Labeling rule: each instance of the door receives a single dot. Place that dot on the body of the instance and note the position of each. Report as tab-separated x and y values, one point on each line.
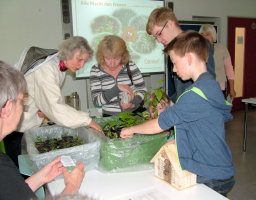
242	49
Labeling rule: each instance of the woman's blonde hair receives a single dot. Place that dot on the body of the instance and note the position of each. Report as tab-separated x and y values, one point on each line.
113	46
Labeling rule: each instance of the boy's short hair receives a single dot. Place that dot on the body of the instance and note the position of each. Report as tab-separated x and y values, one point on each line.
159	17
189	42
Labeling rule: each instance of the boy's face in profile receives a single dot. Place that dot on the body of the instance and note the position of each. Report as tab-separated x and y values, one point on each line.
181	65
164	34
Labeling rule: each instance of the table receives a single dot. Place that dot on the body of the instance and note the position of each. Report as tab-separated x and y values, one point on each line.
124	186
246	101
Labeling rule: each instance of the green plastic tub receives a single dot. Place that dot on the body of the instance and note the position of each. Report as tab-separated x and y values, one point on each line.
122	153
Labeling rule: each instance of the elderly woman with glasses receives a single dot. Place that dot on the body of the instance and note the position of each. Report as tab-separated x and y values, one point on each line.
110	77
12	185
44	95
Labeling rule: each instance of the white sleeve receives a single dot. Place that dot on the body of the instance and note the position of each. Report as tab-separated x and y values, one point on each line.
49	100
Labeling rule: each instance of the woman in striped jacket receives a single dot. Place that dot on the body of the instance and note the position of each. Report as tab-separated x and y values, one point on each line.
109	78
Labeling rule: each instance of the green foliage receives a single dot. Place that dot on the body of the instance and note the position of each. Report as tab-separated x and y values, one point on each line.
109	128
159	95
39	139
64	135
126	119
56	143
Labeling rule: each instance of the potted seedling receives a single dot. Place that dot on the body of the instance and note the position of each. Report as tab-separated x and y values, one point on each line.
55	143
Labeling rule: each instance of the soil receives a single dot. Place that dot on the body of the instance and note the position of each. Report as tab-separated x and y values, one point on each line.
55	144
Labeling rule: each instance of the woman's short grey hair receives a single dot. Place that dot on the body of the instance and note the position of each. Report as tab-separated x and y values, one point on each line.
208	28
12	82
70	46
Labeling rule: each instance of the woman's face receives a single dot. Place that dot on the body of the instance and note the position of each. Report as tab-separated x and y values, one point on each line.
160	108
77	61
208	36
112	63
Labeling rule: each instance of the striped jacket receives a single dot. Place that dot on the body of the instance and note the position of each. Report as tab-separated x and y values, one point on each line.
106	93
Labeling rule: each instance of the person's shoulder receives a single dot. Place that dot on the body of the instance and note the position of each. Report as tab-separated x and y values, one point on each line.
207	84
219	46
95	68
133	66
50	67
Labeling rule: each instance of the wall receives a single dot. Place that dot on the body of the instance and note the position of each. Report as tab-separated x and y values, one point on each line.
38	23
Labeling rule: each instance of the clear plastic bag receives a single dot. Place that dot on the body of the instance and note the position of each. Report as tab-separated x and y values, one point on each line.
88	153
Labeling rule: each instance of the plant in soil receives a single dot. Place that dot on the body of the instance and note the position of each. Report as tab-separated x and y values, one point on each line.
66	141
112	129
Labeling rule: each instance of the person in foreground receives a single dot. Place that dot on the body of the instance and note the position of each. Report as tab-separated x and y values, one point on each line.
164	26
223	66
12	185
110	77
199	115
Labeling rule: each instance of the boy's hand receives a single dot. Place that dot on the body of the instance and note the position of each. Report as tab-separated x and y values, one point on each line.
126	133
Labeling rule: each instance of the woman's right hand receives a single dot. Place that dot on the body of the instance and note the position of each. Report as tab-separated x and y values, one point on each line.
126	88
95	126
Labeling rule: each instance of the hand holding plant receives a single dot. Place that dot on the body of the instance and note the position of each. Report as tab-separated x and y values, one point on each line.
126	133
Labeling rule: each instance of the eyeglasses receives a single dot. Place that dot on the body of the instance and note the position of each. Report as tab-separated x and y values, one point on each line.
22	100
158	35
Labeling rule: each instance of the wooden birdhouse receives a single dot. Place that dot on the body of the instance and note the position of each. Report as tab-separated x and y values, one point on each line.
167	168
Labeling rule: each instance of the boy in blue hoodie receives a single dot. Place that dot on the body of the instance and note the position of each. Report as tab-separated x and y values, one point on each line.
199	115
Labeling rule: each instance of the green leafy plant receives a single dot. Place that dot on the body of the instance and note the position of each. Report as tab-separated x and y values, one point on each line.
39	139
128	119
159	95
109	129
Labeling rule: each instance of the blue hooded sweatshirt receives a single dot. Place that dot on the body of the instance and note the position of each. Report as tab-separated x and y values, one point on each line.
200	130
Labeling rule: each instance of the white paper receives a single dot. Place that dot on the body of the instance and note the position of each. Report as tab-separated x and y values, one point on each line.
67	161
148	194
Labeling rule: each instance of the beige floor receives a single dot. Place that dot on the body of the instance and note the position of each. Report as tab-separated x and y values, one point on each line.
245	162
